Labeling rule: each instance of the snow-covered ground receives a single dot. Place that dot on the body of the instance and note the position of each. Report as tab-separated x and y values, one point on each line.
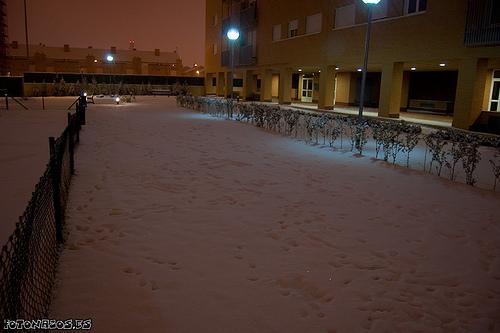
179	222
24	152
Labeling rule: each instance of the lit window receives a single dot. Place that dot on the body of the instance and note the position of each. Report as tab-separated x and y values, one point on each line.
344	16
313	23
277	32
415	6
293	28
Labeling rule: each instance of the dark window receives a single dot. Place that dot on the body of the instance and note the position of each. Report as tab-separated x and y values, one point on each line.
238	83
495	94
422	5
412	6
496	75
258	83
214	82
495	12
493	106
415	6
295	81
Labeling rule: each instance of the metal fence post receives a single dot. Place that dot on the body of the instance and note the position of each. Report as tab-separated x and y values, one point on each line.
55	173
82	111
71	144
6	101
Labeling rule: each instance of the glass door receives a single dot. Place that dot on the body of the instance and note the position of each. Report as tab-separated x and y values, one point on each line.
307	90
495	92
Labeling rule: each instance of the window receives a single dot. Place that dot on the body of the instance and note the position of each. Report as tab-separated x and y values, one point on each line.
415	6
277	32
380	10
344	16
313	23
293	28
214	20
214	46
495	12
214	82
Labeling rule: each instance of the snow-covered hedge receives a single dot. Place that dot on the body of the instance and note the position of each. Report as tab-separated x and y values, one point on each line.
446	148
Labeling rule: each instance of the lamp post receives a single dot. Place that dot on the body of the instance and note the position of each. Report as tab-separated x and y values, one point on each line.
26	30
232	34
369	4
110	59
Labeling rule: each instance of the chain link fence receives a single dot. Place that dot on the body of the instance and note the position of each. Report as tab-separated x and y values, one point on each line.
28	260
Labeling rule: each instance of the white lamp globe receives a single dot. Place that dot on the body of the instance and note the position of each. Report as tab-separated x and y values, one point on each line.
371	2
110	58
233	34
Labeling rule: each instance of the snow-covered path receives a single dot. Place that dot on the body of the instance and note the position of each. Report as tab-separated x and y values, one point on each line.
182	223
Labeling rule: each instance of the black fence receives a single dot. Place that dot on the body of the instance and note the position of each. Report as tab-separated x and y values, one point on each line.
28	260
12	85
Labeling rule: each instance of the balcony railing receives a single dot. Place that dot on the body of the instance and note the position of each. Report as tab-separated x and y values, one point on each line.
248	16
481	29
247	55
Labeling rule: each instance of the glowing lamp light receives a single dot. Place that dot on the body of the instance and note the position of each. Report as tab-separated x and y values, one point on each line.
233	34
300	69
413	68
85	94
337	68
442	64
359	70
95	60
117	100
198	72
110	58
371	2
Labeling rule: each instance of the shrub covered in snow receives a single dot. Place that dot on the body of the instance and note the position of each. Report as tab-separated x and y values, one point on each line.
447	147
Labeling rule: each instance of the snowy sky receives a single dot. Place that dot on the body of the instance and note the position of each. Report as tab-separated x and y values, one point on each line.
164	24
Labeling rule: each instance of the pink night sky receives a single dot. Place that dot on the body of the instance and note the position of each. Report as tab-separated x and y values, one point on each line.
163	24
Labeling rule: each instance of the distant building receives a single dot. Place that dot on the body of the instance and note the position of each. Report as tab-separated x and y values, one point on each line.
440	56
67	59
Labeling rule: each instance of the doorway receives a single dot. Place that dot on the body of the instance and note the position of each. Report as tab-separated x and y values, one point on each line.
307	90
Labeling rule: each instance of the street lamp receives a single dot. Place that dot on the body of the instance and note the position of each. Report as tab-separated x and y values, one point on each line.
369	4
110	59
232	34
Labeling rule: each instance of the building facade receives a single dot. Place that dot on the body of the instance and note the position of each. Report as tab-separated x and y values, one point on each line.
66	59
441	56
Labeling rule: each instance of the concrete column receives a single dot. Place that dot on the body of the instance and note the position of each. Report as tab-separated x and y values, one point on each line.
326	88
247	84
266	85
472	77
221	84
390	90
285	88
405	92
